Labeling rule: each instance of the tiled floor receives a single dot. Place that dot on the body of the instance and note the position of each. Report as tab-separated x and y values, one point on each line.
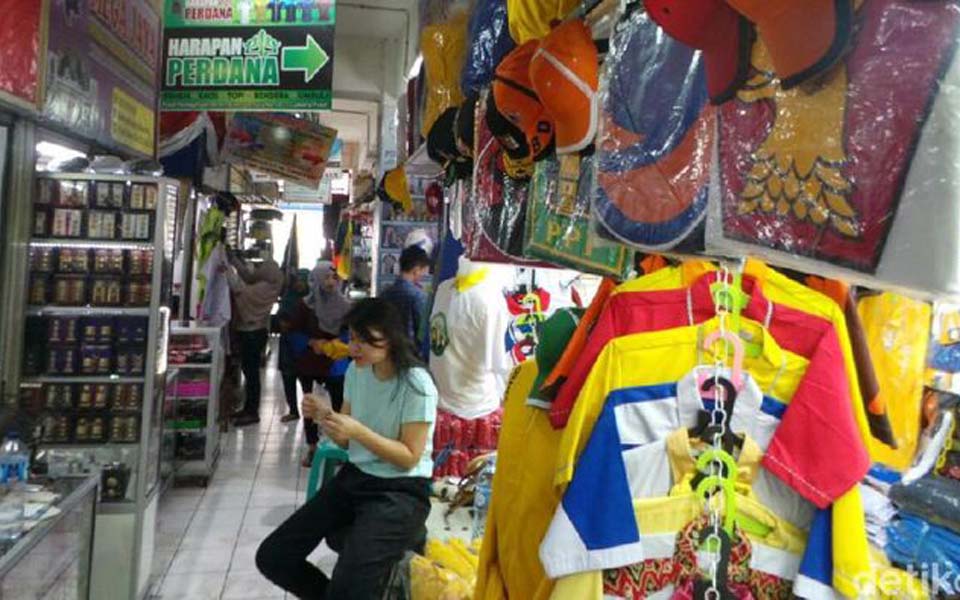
207	537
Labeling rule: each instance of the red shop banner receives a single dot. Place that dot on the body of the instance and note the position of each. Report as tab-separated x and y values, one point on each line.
21	46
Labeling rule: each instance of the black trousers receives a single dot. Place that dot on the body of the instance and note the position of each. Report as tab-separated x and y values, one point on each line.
290	380
252	345
334	387
375	519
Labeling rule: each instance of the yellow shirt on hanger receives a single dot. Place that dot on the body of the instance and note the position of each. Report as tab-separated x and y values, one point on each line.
898	333
524	498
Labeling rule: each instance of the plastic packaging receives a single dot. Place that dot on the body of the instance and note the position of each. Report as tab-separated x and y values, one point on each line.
444	48
14	459
854	174
934	499
481	496
560	225
655	142
897	330
914	542
494	214
489	41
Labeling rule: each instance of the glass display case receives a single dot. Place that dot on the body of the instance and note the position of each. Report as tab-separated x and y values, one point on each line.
52	560
100	265
192	404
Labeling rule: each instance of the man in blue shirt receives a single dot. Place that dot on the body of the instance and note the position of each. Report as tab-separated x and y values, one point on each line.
406	294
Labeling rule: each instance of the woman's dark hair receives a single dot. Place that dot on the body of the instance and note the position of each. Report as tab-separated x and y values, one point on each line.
376	314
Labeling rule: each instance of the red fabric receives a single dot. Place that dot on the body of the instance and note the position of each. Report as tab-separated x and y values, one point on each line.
820	407
461	440
20	50
893	68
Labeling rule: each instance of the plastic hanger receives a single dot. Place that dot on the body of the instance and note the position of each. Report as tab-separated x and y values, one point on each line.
736	370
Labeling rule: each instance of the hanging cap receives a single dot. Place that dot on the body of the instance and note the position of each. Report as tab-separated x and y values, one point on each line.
723	35
394	189
464	128
805	37
553	335
514	112
565	75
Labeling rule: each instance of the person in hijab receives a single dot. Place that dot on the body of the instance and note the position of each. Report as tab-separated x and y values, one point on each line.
293	340
255	291
328	307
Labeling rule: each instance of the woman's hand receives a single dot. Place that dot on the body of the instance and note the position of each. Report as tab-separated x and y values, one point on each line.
341	428
317	345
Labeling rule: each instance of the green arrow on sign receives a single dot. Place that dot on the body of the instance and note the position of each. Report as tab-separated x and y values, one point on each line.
309	59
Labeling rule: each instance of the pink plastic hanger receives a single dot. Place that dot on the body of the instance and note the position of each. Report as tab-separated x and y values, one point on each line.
736	375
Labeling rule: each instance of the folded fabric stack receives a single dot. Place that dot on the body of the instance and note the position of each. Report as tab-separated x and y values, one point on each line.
880	512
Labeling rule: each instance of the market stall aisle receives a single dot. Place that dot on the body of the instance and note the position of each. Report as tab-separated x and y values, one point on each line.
207	538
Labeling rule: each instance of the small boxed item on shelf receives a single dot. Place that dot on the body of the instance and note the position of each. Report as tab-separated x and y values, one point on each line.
69	290
96	359
138	293
62	360
101	225
107	260
73	260
131	361
190	446
125	429
127	397
73	194
65	223
143	196
132	329
63	330
98	330
105	291
114	481
109	194
41	222
135	226
93	396
48	191
58	396
31	399
56	429
42	259
192	389
140	262
40	288
90	429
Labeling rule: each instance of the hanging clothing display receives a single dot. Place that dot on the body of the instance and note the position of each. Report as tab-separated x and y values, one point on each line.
215	307
897	331
468	359
524	498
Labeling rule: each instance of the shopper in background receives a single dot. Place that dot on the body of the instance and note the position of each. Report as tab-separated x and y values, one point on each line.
255	292
329	307
406	293
293	340
375	508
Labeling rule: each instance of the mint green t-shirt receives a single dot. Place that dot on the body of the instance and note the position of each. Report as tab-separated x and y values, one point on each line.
384	406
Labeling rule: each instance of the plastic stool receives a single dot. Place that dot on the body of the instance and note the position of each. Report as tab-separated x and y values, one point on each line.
325	462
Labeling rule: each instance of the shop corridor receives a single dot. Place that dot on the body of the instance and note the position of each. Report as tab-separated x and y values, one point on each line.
207	538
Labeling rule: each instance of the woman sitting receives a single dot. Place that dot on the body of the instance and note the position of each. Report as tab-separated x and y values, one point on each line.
378	503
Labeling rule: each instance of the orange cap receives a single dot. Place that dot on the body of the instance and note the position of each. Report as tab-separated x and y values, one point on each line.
805	37
514	112
565	74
